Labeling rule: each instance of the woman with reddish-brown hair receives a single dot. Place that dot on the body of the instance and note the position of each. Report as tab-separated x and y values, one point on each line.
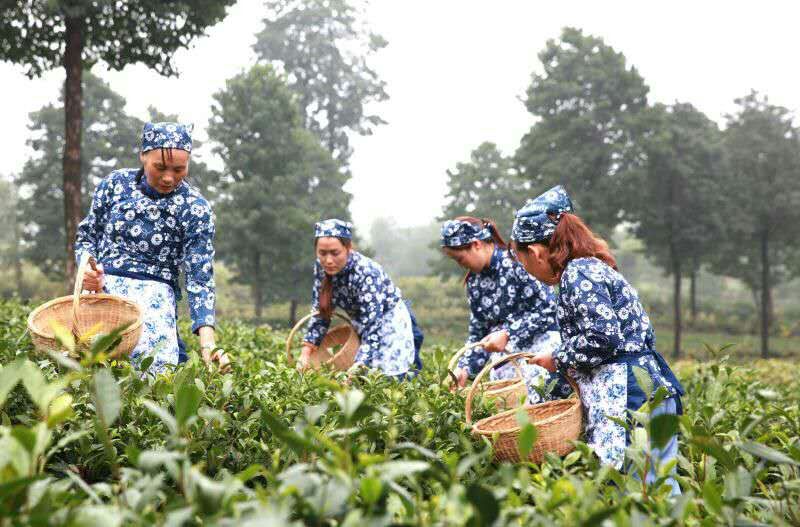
605	331
345	278
510	311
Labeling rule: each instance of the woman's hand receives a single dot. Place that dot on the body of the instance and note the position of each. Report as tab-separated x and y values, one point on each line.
461	376
545	360
304	362
495	342
210	352
94	280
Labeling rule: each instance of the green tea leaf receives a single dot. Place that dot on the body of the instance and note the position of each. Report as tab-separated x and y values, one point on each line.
107	396
63	335
662	428
162	414
108	342
60	410
767	453
712	447
371	490
9	377
392	470
187	402
712	497
526	439
146	363
349	402
485	507
644	380
97	516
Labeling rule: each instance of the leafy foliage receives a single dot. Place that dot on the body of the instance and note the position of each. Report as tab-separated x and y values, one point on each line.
487	186
585	101
323	48
266	442
279	182
117	33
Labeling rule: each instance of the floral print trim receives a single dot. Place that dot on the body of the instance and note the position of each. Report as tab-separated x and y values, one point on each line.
159	327
397	344
604	394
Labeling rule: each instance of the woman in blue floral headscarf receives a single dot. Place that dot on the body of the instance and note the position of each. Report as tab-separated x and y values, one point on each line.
605	331
145	225
344	278
510	311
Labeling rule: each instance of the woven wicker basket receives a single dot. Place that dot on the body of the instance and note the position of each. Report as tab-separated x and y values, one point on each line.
506	393
558	424
343	335
81	313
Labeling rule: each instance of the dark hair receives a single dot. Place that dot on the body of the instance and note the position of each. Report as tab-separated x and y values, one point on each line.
573	239
480	223
326	291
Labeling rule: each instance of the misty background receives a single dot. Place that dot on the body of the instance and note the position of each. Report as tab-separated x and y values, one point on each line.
673	128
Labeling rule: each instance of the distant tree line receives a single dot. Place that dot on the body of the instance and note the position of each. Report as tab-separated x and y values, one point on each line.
281	128
726	200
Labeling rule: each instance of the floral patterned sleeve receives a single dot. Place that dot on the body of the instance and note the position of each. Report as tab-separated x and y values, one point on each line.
370	315
537	309
91	228
596	334
198	264
318	326
471	359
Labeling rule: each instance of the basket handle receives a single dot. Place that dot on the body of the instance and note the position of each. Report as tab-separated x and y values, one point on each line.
86	260
302	321
489	366
454	360
527	355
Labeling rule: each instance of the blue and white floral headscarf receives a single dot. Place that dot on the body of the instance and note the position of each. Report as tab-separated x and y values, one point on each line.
456	233
533	222
167	135
333	228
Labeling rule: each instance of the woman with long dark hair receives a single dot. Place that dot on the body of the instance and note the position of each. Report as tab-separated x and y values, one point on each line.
345	278
605	331
510	311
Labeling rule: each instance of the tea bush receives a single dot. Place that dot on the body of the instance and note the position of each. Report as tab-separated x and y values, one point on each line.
96	443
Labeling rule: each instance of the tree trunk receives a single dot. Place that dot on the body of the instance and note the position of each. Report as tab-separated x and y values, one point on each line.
693	295
258	292
676	302
73	116
258	300
292	312
15	255
766	294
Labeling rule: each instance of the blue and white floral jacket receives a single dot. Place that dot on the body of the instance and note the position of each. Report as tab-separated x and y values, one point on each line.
505	296
134	231
603	322
366	293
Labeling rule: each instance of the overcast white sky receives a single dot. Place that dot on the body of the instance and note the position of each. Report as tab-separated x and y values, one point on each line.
455	71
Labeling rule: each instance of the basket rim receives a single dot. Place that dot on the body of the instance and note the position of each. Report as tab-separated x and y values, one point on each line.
340	353
491	387
69	298
476	428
